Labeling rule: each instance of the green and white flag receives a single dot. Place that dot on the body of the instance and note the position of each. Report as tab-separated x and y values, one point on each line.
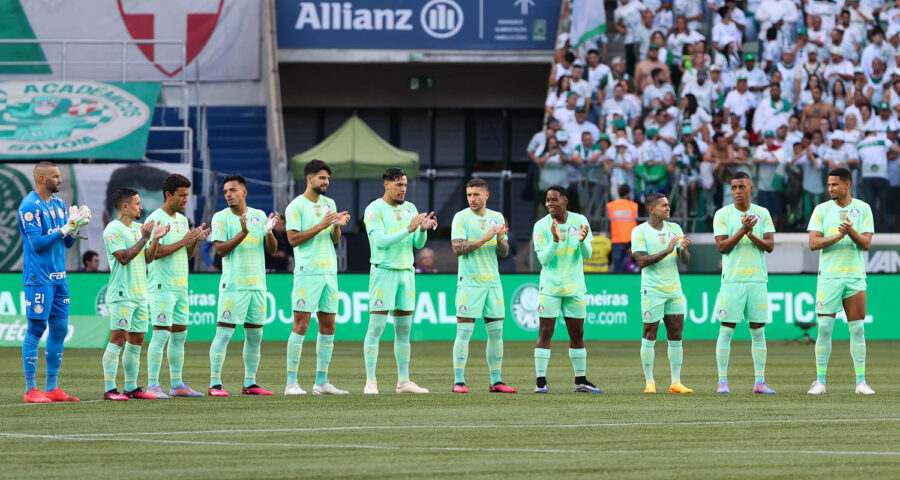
588	21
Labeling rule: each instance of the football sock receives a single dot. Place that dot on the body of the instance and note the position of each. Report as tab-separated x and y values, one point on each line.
823	346
494	349
155	355
461	351
252	341
175	353
30	351
131	364
402	327
758	351
370	344
858	348
53	352
541	360
723	350
648	355
676	356
324	348
217	350
578	356
111	366
294	349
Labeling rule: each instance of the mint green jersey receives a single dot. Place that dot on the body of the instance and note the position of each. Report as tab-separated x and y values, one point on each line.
563	276
844	259
745	262
384	219
662	277
171	271
315	256
479	267
244	268
126	282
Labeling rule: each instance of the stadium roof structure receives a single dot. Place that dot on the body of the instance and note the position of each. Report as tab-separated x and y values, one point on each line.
356	152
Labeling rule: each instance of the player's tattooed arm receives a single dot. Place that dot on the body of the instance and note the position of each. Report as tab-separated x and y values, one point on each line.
645	260
503	248
462	247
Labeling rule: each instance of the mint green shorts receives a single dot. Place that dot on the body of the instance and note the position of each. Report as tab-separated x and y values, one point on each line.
169	307
392	290
480	302
655	307
242	306
570	307
831	293
315	293
129	316
743	301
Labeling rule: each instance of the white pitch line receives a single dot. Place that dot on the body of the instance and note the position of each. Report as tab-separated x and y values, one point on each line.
498	426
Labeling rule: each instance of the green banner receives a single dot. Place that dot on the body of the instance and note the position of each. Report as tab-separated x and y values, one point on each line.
85	331
612	306
79	119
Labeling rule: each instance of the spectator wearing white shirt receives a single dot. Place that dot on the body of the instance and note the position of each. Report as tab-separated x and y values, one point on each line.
773	106
658	88
790	90
643	33
872	50
623	162
581	125
627	17
876	189
538	144
616	74
862	18
816	35
772	49
552	164
826	10
702	89
556	99
757	80
725	33
839	69
567	114
596	70
618	104
681	36
770	159
781	14
691	11
812	167
561	68
580	86
739	100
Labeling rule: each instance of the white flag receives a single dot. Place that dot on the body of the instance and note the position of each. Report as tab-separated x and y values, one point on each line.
588	21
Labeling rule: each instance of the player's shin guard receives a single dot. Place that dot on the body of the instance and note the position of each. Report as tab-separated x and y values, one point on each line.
59	327
541	360
723	350
111	366
578	356
324	349
217	350
858	348
494	350
759	352
370	345
676	357
176	357
402	327
648	355
30	351
155	355
131	364
294	350
461	351
252	342
823	346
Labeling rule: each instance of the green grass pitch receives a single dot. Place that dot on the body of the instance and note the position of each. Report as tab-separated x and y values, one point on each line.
620	434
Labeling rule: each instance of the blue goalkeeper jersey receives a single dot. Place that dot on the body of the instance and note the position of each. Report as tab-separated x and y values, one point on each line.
44	261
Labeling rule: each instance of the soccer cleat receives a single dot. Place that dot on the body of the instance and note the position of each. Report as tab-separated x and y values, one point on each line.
58	395
371	389
410	387
763	387
217	391
586	387
157	390
328	389
650	387
679	388
183	390
541	385
115	396
460	388
140	394
36	396
294	389
501	387
723	387
255	390
863	388
817	388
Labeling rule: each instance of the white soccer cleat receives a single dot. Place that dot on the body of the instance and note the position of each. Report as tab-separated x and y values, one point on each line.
371	389
294	389
328	389
818	388
863	388
411	387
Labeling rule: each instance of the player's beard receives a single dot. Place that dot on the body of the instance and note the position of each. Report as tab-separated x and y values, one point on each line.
320	190
53	187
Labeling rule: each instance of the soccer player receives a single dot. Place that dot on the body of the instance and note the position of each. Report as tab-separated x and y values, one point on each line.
842	228
744	233
478	236
313	227
168	280
130	246
655	245
562	241
394	227
238	233
47	231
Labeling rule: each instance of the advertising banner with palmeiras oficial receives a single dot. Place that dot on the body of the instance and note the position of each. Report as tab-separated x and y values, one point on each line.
47	120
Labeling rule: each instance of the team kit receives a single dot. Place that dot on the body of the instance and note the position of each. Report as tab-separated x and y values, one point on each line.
148	282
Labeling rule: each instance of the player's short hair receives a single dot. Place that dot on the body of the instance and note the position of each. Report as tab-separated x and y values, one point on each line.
741	176
477	183
123	195
652	199
235	178
841	173
88	255
393	174
43	164
315	166
624	190
560	190
173	182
